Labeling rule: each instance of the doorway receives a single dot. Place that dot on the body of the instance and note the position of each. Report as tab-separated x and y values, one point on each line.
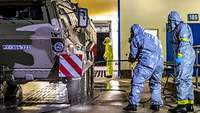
103	30
101	49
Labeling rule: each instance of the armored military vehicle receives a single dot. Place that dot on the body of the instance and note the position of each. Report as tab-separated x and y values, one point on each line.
33	33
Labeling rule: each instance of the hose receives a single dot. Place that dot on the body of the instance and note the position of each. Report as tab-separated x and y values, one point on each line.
98	62
169	95
164	88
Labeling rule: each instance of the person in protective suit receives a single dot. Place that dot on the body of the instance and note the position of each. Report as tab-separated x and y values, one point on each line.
108	56
184	58
145	48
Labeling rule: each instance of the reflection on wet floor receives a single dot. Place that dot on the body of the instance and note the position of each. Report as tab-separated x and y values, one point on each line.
53	93
41	96
110	97
113	100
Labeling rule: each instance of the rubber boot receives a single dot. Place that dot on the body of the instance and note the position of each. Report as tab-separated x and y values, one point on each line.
179	109
190	108
155	107
130	108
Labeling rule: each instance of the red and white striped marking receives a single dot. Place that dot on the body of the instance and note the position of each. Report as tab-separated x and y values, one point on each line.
70	66
93	48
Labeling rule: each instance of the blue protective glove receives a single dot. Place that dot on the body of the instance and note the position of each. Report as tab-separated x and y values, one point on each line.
178	60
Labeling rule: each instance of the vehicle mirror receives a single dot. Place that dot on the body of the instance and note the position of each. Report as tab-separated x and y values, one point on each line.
82	17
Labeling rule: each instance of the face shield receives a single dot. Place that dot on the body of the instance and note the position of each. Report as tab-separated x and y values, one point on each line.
171	25
131	36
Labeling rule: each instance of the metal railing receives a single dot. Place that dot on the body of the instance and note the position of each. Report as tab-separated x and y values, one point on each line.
124	60
197	66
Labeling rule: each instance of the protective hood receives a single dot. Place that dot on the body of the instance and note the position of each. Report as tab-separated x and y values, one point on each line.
107	40
174	16
137	29
174	20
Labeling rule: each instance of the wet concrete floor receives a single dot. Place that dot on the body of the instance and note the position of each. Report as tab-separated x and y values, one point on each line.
111	97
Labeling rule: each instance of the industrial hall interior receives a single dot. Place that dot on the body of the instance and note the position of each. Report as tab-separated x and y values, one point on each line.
99	56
